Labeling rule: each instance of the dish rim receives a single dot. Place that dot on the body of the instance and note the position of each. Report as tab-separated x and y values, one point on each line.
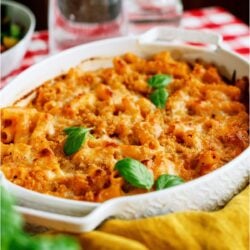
128	197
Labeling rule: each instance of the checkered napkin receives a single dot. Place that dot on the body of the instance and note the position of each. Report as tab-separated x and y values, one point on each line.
235	34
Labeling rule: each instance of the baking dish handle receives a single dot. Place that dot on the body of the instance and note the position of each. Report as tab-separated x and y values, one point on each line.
69	223
168	34
63	223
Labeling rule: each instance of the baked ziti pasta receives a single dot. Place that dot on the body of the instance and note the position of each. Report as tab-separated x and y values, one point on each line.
68	138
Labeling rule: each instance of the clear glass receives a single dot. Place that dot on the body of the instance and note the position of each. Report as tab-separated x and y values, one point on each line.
73	22
166	12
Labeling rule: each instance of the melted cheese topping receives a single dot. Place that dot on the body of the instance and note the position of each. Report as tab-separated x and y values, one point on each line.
203	126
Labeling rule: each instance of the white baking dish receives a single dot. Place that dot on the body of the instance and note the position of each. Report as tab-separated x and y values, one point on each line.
205	193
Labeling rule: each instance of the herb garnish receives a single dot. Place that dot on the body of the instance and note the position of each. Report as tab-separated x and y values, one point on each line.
159	97
135	173
13	236
159	81
76	137
166	181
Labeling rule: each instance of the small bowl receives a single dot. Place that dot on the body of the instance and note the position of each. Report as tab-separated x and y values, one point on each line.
11	58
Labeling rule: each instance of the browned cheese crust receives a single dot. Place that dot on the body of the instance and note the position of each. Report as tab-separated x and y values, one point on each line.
203	126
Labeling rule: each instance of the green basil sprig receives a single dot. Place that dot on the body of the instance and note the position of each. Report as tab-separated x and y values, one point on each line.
159	81
159	97
14	237
135	173
166	181
76	137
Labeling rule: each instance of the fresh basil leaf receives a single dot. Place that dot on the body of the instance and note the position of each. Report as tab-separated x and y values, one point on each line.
13	236
166	181
22	241
159	81
76	137
75	129
135	173
47	242
61	242
71	129
159	97
11	222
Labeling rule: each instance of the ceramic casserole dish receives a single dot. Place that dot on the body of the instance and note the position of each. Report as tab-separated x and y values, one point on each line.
205	193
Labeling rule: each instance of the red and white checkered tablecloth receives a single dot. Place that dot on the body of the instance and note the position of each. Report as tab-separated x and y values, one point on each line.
235	34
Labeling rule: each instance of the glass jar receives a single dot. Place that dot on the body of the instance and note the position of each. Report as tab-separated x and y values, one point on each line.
144	14
73	22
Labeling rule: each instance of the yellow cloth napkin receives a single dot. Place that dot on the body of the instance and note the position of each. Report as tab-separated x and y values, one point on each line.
227	228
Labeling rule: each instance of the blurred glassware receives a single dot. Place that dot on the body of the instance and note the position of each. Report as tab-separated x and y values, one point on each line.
73	22
163	12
